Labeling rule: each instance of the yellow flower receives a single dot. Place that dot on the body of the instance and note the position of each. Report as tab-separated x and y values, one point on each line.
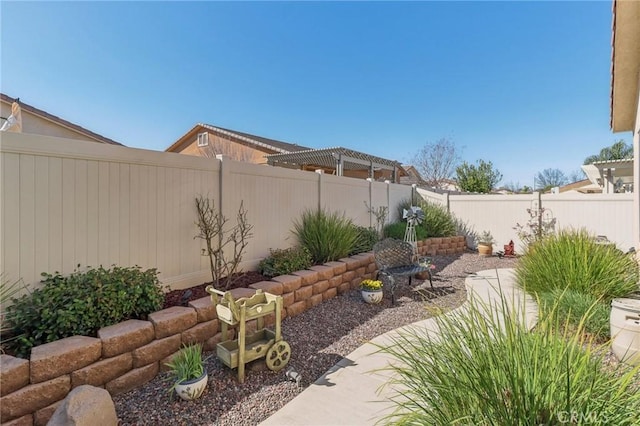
371	285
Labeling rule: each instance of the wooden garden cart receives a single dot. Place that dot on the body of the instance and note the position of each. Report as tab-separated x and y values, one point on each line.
249	347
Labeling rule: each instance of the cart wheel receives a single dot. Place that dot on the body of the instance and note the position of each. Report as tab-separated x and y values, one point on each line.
278	355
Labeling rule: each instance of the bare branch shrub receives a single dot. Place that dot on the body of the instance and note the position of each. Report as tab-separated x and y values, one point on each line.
213	228
380	213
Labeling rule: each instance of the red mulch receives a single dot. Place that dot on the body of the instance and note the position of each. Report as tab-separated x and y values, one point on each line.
175	297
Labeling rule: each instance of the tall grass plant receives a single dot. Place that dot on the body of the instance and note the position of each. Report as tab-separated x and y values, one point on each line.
438	222
481	370
572	259
572	273
327	235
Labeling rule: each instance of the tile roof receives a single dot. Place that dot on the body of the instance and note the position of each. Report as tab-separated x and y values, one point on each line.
59	121
276	145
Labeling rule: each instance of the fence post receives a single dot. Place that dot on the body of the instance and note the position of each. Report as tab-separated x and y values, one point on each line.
388	182
538	208
320	172
370	204
223	171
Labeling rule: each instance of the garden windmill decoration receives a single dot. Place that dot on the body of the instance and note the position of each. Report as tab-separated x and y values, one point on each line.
414	217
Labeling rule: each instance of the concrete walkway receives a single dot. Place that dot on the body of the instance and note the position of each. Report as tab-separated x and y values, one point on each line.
350	392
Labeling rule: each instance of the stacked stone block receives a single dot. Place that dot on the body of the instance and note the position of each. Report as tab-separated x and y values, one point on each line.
131	353
442	246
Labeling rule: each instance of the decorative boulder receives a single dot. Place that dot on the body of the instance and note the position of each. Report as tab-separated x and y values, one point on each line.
85	406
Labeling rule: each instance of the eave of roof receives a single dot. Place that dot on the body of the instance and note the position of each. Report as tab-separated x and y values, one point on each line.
270	144
625	64
59	121
624	161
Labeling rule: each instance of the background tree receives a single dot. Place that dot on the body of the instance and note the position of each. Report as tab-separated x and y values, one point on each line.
437	161
548	178
620	150
576	175
516	188
480	178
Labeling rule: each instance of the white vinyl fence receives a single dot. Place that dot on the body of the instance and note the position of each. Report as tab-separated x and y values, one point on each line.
610	215
67	203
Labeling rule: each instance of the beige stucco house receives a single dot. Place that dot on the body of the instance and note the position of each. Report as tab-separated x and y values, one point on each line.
625	88
39	122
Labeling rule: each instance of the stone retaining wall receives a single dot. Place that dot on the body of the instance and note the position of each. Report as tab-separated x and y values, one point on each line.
129	354
442	246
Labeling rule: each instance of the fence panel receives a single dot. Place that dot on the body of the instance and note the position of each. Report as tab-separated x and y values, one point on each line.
68	202
348	195
274	198
397	194
610	215
599	214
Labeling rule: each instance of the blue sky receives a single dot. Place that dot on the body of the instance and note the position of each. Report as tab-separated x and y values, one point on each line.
522	84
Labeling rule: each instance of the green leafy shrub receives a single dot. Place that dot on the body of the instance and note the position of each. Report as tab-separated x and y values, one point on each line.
397	230
438	222
479	370
282	262
572	267
327	236
82	303
366	238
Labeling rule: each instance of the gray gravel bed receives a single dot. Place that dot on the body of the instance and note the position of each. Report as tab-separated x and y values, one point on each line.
319	338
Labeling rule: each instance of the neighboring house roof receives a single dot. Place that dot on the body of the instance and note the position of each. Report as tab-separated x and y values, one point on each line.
625	64
246	138
413	176
584	185
59	121
329	157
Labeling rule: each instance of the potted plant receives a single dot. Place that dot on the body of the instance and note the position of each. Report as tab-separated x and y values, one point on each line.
426	262
485	243
188	373
371	291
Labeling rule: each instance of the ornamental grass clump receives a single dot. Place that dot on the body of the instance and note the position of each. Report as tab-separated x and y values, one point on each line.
365	239
437	222
571	267
481	370
398	229
328	236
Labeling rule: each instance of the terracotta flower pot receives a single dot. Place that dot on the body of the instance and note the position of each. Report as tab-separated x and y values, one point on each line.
424	275
485	249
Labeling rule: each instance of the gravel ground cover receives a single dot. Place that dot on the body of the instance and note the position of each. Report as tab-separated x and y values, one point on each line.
319	338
